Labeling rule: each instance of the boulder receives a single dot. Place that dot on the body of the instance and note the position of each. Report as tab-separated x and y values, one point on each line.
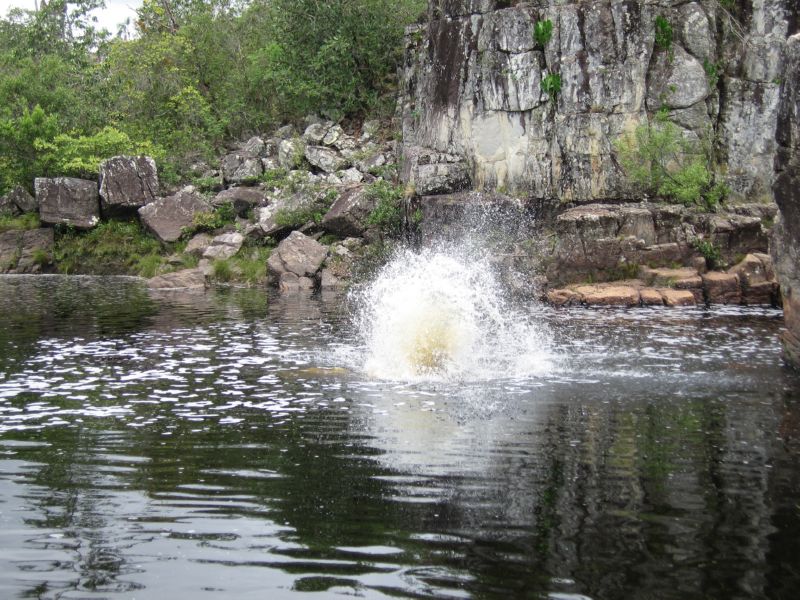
608	295
678	297
289	282
67	200
243	199
751	271
241	167
326	159
316	132
256	146
291	153
7	207
179	280
677	79
651	297
128	182
351	176
297	254
18	200
348	215
168	217
721	288
25	251
198	244
271	219
436	173
224	246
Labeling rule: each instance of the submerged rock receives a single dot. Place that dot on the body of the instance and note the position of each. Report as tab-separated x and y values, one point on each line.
186	279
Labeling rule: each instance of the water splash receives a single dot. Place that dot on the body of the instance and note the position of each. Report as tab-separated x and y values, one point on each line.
442	314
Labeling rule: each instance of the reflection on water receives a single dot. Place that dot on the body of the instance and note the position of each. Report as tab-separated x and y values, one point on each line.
171	446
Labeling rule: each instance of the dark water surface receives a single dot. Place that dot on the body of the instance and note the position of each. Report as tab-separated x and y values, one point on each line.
220	446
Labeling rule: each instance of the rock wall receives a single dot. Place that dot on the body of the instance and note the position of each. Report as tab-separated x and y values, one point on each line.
786	235
472	89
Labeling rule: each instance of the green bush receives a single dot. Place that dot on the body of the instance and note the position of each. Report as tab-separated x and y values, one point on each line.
661	162
551	85
208	222
710	252
542	32
388	212
663	33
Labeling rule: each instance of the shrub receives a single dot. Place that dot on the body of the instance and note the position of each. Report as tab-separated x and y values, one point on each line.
663	33
542	32
221	270
388	212
659	160
710	252
551	85
222	215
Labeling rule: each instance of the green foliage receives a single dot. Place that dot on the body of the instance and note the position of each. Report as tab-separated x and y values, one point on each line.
294	218
542	32
712	72
710	252
41	257
80	156
659	160
221	270
551	85
663	33
26	221
388	212
251	264
20	162
221	216
111	248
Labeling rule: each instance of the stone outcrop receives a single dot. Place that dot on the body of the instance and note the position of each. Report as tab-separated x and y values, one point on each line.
69	201
750	282
348	215
606	241
128	182
786	239
167	217
224	246
17	201
25	251
472	87
294	264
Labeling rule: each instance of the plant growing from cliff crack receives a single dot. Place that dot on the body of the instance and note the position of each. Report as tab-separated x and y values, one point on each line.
551	85
663	33
661	161
710	252
712	72
542	32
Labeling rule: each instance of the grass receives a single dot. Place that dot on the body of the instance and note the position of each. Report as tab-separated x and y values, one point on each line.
111	248
388	212
211	221
26	221
248	266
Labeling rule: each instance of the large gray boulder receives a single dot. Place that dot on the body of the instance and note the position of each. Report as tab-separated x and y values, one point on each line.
69	201
298	255
291	153
349	213
326	159
128	182
168	217
272	219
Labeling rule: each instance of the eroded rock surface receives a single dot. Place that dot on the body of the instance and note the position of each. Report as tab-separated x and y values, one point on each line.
128	182
168	217
67	200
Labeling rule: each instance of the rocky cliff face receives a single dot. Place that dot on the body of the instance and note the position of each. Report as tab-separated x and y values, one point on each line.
786	237
473	90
